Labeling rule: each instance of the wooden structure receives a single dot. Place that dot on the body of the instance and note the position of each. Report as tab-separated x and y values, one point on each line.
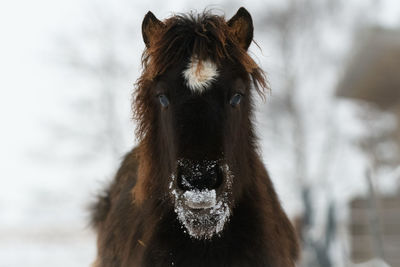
370	221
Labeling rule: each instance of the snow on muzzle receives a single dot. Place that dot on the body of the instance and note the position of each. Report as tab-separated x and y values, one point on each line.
197	199
201	192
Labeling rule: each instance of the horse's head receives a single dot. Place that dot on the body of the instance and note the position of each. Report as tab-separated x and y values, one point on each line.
194	107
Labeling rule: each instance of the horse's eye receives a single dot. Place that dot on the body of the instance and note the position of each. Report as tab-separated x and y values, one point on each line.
163	100
235	100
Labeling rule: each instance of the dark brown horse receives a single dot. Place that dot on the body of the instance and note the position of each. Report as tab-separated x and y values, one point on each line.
194	192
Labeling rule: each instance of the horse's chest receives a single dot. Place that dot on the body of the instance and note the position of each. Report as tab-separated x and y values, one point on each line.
199	255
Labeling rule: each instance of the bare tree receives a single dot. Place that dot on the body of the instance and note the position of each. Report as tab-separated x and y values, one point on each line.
102	59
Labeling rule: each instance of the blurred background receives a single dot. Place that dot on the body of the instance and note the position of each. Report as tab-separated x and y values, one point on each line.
329	130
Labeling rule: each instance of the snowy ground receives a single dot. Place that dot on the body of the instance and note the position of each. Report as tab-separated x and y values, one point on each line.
46	247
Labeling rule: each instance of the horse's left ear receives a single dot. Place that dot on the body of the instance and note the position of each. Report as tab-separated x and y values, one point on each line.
150	27
241	25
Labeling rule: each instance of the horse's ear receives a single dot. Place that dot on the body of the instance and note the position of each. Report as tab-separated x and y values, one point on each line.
150	27
241	25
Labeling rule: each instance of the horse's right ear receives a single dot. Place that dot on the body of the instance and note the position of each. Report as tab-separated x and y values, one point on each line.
150	26
241	25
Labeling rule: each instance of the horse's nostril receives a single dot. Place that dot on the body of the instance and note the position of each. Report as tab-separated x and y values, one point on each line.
183	179
219	176
199	177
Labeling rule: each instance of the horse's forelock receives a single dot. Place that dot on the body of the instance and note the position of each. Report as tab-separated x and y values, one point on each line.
206	36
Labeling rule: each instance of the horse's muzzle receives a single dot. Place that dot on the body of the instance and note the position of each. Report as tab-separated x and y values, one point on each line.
201	191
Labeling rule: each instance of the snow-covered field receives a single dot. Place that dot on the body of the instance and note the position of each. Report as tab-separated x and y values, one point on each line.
46	247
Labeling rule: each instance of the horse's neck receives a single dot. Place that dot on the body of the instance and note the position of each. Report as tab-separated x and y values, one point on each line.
240	244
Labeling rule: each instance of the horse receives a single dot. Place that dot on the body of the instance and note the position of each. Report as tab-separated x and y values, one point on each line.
194	191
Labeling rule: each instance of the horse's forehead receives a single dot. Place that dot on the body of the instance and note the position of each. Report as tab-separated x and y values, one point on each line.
199	74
